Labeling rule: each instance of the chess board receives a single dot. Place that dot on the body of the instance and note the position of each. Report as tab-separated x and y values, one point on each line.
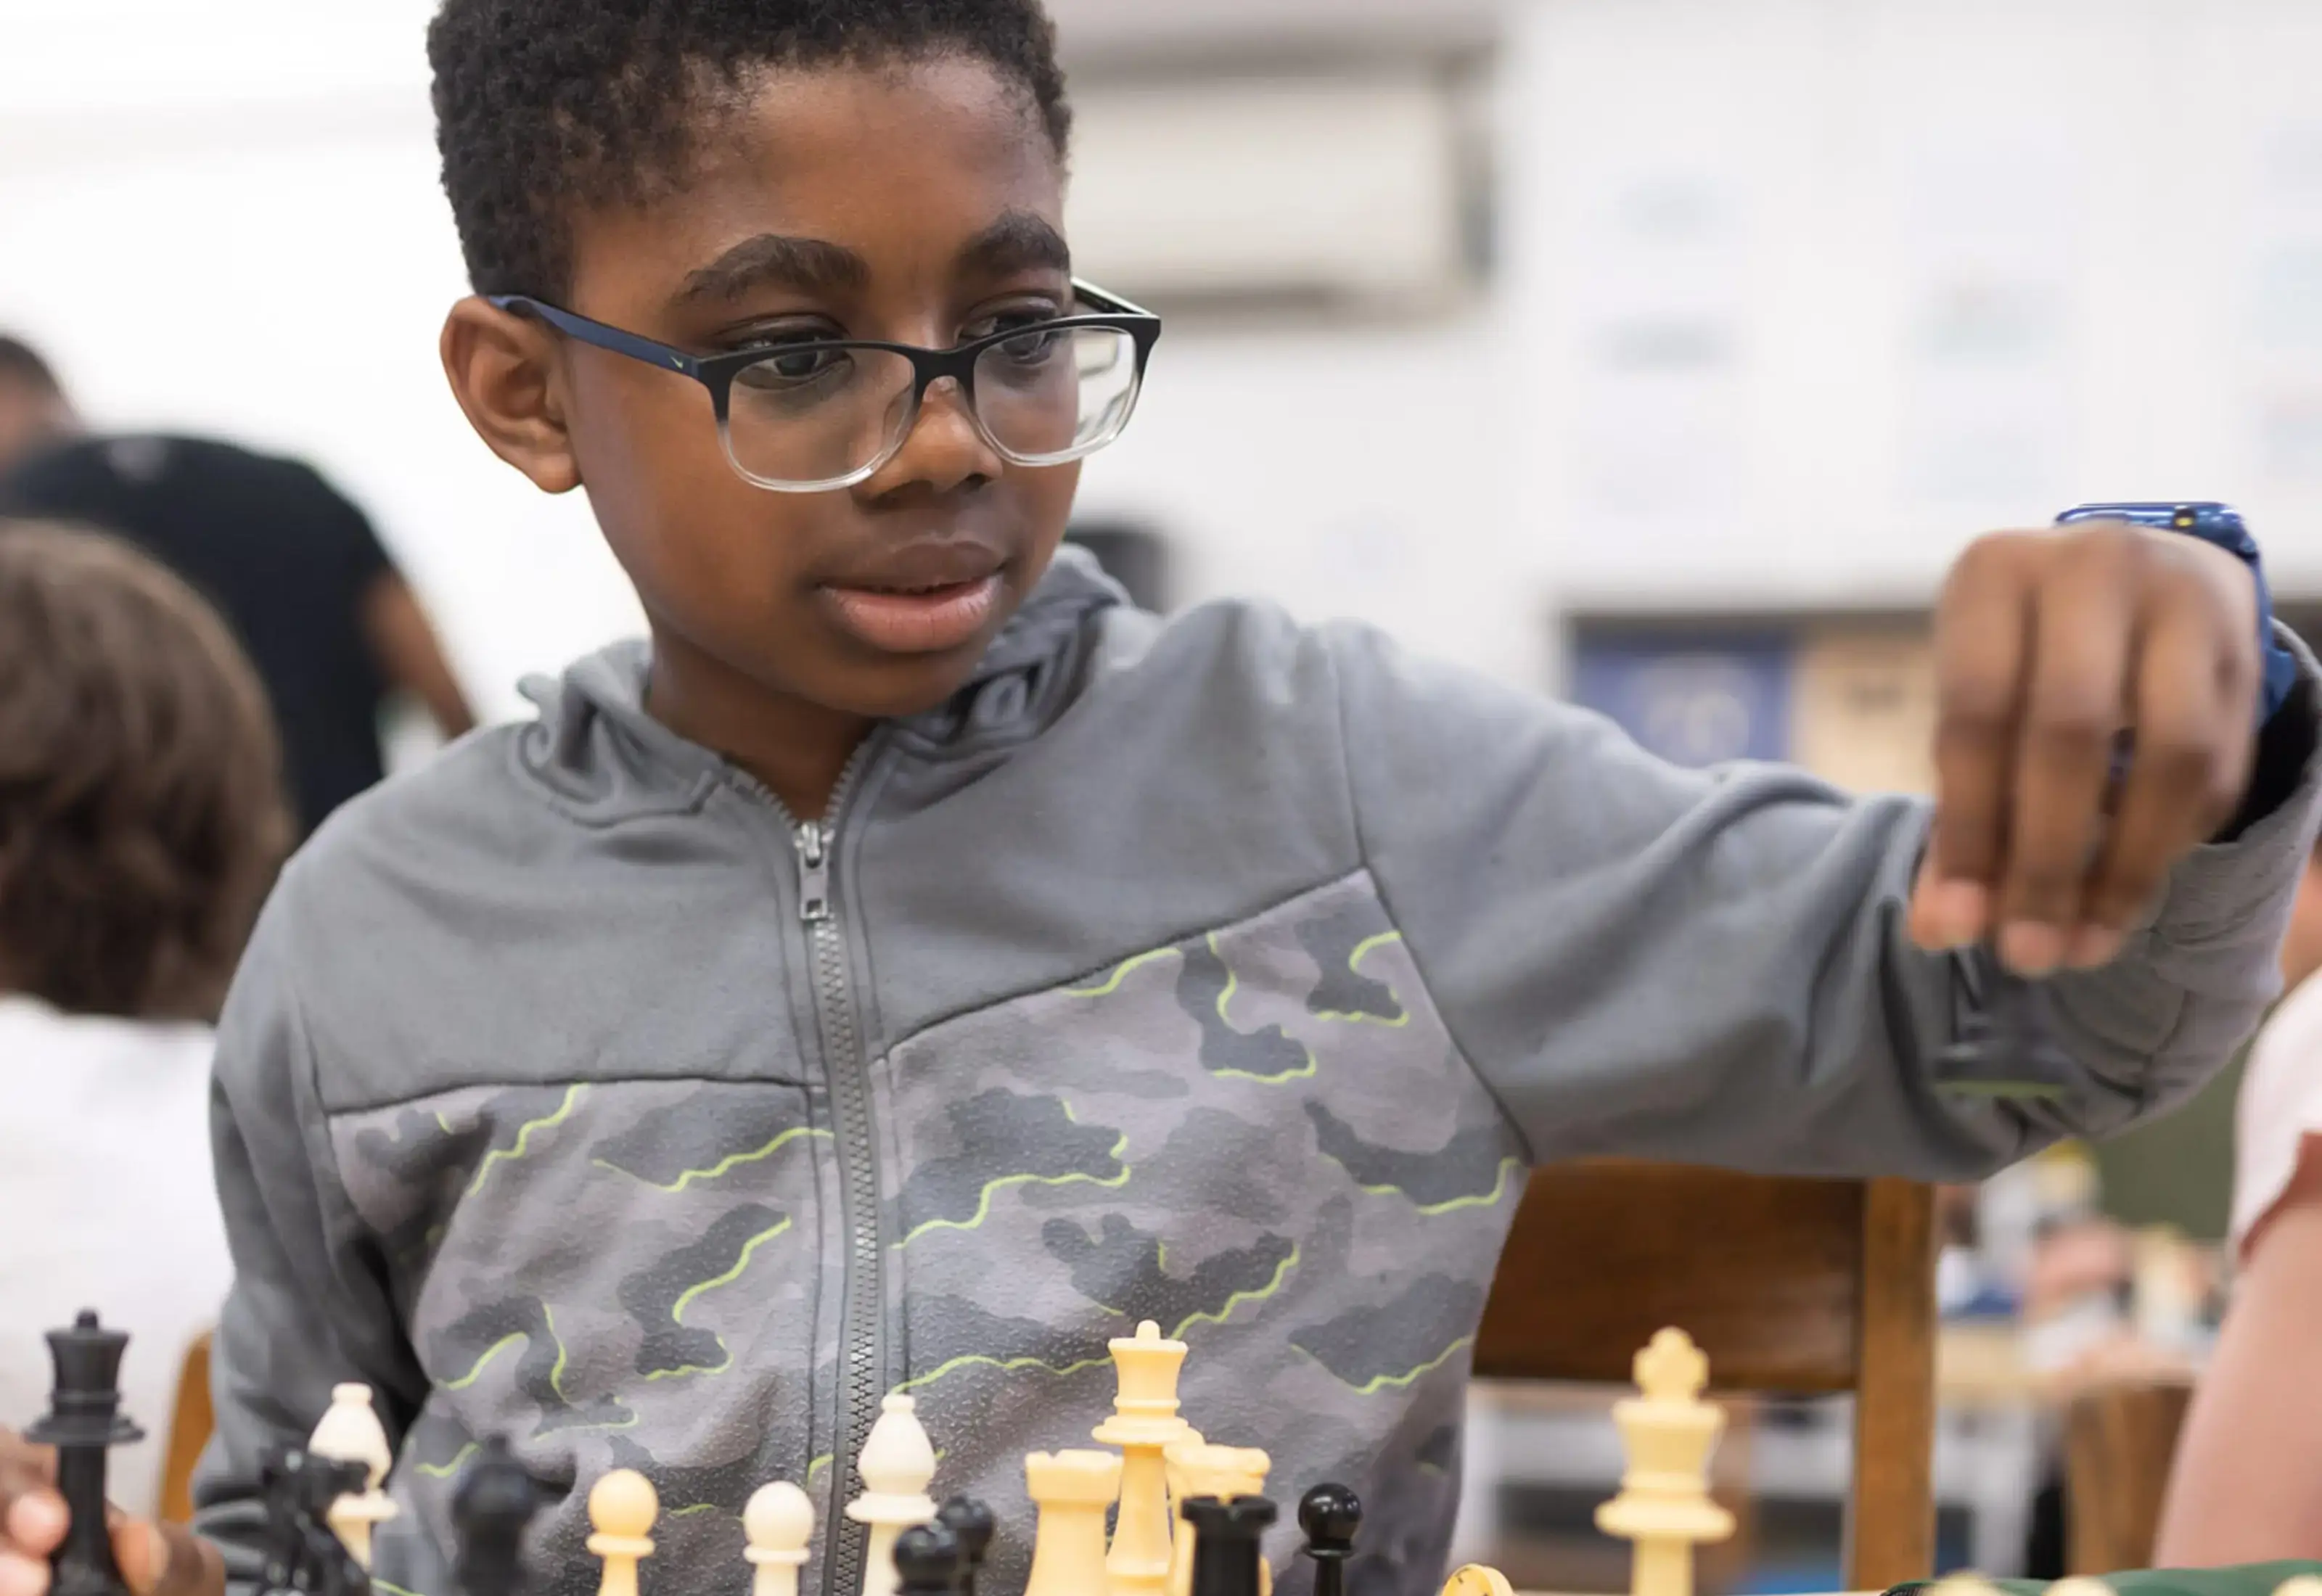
1161	1510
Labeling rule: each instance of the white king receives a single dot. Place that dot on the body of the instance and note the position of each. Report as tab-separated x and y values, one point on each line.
1668	1433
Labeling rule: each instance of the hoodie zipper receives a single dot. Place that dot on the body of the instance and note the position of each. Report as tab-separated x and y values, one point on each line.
864	1291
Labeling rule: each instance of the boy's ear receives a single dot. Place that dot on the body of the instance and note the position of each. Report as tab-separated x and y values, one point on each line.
507	372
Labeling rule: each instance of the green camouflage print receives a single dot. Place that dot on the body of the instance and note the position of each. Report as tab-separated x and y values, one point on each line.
611	1274
1286	1164
1261	1138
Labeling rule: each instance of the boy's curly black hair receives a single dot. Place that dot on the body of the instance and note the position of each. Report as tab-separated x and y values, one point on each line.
142	813
542	106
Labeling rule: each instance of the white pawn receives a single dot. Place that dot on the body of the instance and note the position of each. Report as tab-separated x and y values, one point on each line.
778	1522
898	1465
622	1508
349	1432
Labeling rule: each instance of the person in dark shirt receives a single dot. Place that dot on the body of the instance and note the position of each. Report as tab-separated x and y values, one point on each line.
293	565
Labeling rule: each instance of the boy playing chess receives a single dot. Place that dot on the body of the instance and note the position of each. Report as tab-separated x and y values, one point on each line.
913	968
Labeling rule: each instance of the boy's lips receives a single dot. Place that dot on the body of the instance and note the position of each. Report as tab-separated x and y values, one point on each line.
929	619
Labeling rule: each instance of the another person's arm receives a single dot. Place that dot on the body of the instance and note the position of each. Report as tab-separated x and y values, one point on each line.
408	654
402	643
2248	1485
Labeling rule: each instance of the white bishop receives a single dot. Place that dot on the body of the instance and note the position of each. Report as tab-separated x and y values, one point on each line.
349	1432
898	1465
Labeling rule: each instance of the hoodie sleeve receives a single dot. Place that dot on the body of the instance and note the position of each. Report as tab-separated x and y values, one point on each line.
1713	967
309	1308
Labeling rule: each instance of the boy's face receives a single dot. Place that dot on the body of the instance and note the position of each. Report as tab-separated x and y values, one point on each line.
916	204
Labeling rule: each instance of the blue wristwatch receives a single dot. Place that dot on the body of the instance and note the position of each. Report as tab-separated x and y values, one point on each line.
2220	524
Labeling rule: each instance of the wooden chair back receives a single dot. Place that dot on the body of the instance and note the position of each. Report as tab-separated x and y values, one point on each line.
190	1421
2120	1437
1791	1287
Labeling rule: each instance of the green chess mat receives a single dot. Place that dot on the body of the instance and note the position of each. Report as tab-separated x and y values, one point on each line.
2251	1579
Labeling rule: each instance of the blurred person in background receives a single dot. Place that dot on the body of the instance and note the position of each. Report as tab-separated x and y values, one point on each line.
295	567
142	819
2248	1481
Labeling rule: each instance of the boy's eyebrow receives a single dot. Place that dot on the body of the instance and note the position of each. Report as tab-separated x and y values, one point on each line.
1019	240
810	265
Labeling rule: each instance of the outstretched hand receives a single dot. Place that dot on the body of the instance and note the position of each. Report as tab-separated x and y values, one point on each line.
155	1560
2049	645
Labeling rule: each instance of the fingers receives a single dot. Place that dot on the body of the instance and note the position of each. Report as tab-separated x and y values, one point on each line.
154	1560
2191	760
33	1520
2046	646
140	1552
165	1559
1983	640
2086	611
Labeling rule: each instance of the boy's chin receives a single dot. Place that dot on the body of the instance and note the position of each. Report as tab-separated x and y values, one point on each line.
897	687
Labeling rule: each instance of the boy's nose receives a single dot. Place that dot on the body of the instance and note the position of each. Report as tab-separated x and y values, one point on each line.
943	453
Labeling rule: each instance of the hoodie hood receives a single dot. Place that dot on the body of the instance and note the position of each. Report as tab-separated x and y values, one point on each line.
596	743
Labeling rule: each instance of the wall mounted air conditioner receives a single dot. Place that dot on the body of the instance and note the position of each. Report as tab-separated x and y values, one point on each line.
1331	191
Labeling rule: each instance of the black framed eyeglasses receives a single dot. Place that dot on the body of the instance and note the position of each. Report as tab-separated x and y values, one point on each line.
825	413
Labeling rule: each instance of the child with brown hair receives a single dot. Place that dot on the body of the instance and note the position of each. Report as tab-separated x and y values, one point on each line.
141	818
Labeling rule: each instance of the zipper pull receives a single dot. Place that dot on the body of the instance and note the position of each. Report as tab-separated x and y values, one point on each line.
814	874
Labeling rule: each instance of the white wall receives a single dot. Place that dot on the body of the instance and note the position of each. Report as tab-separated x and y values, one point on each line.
1344	474
1826	189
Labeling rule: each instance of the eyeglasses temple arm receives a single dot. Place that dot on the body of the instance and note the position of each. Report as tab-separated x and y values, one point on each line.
598	333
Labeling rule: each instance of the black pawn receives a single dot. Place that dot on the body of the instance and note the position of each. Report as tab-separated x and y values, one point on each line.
490	1510
929	1560
972	1523
84	1419
1332	1516
1226	1543
2006	1046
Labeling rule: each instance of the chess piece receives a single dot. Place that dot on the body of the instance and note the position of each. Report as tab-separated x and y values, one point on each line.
1071	1490
1664	1508
1476	1580
1144	1424
898	1465
622	1508
974	1524
1197	1469
1970	1584
778	1523
1332	1516
83	1421
491	1508
1226	1544
302	1554
2085	1586
349	1432
2006	1046
929	1560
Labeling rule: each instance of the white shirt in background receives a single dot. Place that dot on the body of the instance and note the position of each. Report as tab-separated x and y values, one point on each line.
2281	1106
105	1178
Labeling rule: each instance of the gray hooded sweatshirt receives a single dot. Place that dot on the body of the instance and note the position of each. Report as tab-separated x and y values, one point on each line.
1220	972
